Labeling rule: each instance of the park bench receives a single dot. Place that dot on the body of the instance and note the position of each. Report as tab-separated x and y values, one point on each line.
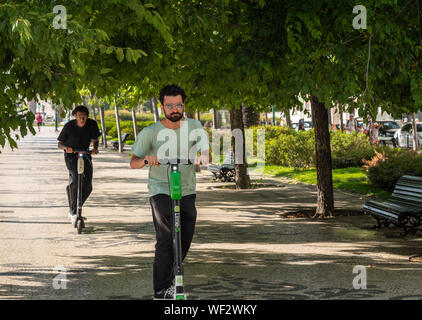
224	172
115	144
403	209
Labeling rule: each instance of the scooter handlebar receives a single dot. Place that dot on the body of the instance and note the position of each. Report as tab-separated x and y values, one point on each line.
82	151
172	161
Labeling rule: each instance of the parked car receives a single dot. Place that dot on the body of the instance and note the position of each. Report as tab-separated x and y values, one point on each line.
404	136
387	131
306	124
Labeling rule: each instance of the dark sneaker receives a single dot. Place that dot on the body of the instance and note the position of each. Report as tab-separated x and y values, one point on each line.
165	294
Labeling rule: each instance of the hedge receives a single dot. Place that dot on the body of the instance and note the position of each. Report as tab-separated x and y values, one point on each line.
125	126
297	149
387	166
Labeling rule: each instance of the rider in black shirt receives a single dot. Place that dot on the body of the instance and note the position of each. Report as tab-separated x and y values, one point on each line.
77	135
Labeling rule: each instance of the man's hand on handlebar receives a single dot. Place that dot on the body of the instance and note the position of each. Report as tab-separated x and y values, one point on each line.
68	149
152	161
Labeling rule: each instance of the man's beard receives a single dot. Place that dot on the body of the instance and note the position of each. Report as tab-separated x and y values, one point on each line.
174	116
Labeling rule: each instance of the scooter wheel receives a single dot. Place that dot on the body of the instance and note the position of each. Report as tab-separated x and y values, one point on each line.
79	226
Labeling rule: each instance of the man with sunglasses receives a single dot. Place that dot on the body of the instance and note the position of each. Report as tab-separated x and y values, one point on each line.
173	137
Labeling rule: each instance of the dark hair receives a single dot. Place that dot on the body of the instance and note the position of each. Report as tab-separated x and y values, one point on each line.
172	90
80	108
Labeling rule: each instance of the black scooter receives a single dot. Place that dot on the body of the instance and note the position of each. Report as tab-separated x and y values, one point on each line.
80	220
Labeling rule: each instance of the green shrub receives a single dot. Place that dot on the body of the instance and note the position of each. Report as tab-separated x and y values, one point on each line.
127	127
348	150
272	132
292	150
204	117
287	147
386	168
126	115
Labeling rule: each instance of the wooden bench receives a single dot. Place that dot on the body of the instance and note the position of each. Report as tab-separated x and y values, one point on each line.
403	208
224	172
115	144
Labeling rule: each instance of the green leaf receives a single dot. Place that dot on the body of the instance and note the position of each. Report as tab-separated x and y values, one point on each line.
105	70
129	54
82	50
120	55
110	49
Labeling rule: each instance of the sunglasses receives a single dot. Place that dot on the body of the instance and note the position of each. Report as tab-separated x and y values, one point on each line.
171	106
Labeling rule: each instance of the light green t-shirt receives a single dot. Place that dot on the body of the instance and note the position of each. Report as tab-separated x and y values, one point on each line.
165	143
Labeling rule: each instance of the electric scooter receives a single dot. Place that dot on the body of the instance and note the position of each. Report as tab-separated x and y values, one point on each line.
176	195
80	221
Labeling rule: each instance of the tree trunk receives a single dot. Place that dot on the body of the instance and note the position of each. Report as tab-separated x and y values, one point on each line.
94	113
154	102
330	120
135	125
340	108
266	118
103	129
119	134
288	119
198	115
214	118
242	178
190	115
325	202
250	117
415	133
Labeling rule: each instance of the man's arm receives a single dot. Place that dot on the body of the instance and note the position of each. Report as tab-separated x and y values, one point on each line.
141	148
95	142
61	146
138	163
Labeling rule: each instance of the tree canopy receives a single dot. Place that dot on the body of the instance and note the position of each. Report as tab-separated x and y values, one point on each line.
222	53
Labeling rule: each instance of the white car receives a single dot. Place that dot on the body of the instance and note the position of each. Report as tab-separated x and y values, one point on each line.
404	136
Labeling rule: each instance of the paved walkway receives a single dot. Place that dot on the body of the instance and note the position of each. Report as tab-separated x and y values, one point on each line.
243	247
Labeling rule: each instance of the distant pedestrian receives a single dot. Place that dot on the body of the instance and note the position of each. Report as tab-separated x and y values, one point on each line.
352	124
38	118
375	133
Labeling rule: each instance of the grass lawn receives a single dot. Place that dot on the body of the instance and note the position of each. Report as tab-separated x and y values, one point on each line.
347	179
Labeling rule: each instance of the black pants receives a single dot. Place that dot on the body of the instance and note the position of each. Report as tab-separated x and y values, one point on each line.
72	189
161	204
